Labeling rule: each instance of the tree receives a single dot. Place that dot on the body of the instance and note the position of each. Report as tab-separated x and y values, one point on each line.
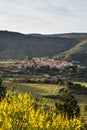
2	90
67	104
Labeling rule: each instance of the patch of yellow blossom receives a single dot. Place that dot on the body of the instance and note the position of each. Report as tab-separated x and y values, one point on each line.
21	112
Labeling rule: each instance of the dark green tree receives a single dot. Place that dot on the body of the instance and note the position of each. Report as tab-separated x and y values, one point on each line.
2	90
67	104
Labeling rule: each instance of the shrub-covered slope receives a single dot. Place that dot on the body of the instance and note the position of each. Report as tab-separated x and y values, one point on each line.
76	53
13	45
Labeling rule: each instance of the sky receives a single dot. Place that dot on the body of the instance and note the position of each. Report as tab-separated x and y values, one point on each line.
43	16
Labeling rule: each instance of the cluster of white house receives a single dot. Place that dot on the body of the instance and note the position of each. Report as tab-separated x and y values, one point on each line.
39	62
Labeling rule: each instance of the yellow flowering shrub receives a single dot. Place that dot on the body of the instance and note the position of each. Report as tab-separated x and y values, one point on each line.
20	112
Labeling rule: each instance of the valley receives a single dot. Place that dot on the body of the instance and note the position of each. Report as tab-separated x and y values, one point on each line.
45	67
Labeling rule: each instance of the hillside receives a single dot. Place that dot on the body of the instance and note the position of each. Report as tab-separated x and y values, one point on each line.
77	53
67	46
14	45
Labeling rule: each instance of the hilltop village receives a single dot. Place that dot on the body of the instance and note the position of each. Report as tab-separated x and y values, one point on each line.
42	67
27	66
40	62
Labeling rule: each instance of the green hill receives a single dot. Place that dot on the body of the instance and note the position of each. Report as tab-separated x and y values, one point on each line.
69	46
13	45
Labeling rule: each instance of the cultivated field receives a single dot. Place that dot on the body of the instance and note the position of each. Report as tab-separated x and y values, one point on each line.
39	90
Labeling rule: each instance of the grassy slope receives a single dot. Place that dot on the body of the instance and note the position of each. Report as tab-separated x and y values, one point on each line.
78	53
82	83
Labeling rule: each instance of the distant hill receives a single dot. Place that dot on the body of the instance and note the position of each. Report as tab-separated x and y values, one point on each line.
66	35
73	35
63	46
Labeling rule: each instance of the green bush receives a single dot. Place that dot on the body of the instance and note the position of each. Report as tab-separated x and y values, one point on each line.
67	104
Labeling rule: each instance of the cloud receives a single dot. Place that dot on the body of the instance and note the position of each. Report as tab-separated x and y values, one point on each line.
43	16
